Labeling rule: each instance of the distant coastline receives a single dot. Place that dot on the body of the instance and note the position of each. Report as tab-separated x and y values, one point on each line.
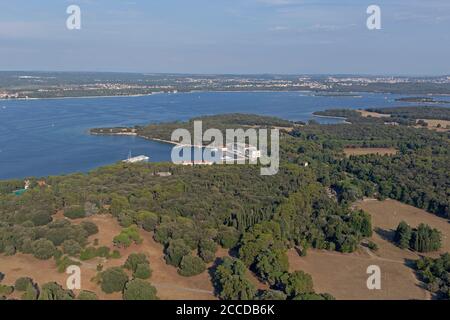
83	97
344	120
313	93
163	92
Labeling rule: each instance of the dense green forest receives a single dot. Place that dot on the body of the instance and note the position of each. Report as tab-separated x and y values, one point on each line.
401	115
422	239
417	175
422	100
198	208
436	274
426	112
163	131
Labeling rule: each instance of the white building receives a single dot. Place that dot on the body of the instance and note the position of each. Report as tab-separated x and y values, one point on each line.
137	159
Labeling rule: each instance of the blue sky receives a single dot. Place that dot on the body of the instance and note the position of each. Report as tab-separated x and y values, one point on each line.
227	36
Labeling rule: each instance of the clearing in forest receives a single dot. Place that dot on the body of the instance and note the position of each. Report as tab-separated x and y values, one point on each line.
344	275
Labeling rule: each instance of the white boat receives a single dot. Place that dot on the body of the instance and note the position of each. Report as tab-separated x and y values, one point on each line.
137	159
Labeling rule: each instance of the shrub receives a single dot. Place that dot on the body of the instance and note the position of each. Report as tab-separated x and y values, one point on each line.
90	227
118	204
138	289
64	262
314	296
43	249
22	284
422	239
88	254
252	245
90	208
122	240
71	247
403	235
207	250
143	271
175	251
228	237
361	223
125	219
87	295
296	283
103	252
92	252
231	282
54	291
162	234
147	220
139	265
191	266
115	255
372	246
425	239
58	254
134	260
348	244
272	295
6	290
271	264
113	280
57	235
41	218
31	293
435	274
127	237
75	212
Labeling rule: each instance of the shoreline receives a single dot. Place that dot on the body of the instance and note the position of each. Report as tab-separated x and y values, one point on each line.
329	117
331	94
82	97
344	120
133	134
161	92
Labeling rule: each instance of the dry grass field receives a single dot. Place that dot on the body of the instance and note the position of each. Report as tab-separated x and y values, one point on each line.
386	215
367	114
364	151
169	283
437	125
344	275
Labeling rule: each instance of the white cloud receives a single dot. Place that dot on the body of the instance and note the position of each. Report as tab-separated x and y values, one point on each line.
279	28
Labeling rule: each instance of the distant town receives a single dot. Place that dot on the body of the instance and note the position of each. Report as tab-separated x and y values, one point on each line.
35	85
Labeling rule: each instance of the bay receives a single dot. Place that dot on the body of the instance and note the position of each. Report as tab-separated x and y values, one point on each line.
50	136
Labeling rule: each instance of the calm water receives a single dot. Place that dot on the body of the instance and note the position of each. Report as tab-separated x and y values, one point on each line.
49	137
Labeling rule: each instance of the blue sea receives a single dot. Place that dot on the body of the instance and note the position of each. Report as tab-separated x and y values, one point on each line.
50	136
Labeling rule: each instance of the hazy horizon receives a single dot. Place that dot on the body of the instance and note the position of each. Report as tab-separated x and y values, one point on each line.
232	74
286	37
